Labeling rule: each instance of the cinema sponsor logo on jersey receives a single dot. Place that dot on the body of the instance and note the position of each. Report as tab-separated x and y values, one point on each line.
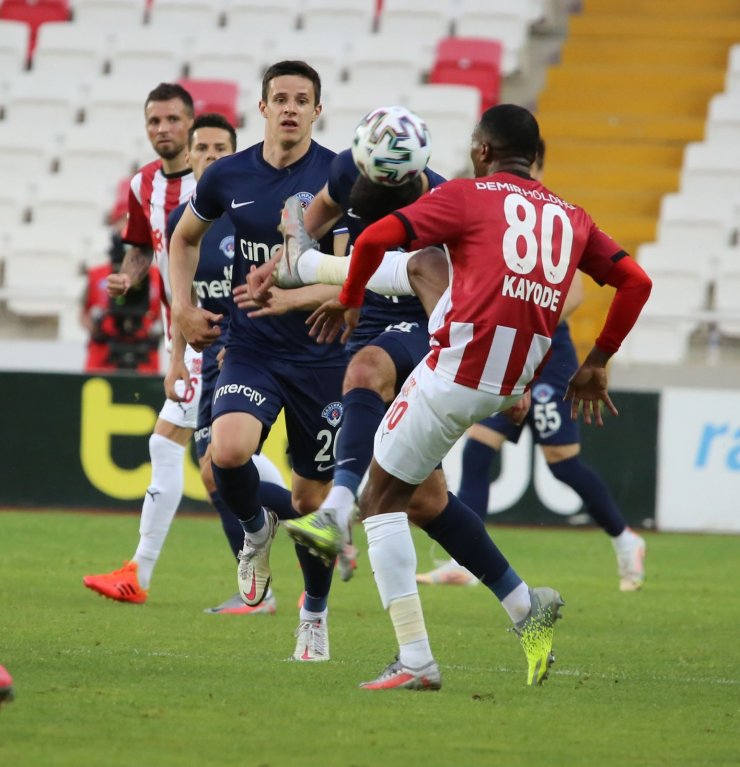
246	391
215	288
259	252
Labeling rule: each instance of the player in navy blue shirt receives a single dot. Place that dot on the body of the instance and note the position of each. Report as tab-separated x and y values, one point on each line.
271	363
210	138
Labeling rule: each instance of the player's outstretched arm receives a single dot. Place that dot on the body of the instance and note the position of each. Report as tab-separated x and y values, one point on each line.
136	263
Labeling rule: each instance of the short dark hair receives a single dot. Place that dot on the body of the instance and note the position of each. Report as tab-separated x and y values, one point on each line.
299	68
169	91
371	201
511	130
539	160
212	120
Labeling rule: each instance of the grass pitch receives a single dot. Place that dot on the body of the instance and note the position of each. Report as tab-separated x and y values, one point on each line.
641	679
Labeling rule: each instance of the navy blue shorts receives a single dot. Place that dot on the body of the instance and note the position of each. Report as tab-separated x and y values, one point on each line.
406	343
311	398
209	374
549	417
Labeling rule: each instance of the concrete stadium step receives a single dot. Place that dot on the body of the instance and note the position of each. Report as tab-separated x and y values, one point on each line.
650	52
637	75
724	30
566	124
626	100
567	151
651	8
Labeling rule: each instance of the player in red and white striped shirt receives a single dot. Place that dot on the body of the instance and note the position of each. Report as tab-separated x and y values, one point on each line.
514	248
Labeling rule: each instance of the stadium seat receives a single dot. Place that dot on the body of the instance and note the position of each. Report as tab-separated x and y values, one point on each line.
328	60
732	76
657	340
347	22
510	27
265	21
35	14
117	104
416	19
90	163
470	61
723	119
14	40
710	169
222	55
695	223
53	102
110	14
387	57
54	282
187	17
153	55
214	96
69	50
727	298
451	112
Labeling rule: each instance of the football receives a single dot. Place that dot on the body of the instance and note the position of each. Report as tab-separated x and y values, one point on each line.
391	145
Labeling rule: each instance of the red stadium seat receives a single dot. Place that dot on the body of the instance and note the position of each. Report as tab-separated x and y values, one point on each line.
34	13
214	96
470	61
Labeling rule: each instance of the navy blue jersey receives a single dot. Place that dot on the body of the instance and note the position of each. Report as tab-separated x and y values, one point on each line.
251	192
212	280
377	311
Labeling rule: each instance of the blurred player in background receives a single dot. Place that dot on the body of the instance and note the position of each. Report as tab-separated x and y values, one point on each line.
271	363
514	248
156	190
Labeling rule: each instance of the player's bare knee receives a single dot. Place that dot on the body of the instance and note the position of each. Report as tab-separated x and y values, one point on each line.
371	368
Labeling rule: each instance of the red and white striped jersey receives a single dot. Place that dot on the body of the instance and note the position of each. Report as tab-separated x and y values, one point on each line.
152	197
514	248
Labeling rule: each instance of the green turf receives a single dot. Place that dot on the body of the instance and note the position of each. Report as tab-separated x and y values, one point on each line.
641	679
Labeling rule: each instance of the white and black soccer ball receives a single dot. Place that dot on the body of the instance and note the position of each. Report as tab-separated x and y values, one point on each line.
391	145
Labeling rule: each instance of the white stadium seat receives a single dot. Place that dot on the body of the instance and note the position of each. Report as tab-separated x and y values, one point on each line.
265	21
109	14
710	170
223	55
347	21
69	50
14	37
732	78
386	57
328	60
723	119
192	17
415	19
51	101
695	223
153	55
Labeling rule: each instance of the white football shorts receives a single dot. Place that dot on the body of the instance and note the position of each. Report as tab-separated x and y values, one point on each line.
185	414
425	420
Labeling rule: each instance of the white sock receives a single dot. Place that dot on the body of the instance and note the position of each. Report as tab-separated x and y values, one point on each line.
393	560
160	503
258	537
517	603
341	500
390	278
308	615
623	540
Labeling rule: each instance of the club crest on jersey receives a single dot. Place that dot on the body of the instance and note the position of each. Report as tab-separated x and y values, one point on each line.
542	392
305	198
226	246
333	413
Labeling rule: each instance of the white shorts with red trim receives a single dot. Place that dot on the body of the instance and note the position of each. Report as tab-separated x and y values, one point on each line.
185	414
425	420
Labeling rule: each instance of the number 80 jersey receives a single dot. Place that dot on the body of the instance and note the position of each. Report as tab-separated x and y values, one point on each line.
514	248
